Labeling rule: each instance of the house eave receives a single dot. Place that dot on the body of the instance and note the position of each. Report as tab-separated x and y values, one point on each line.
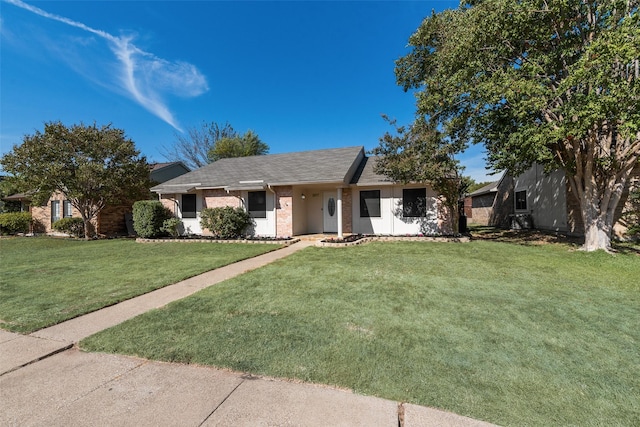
175	188
302	183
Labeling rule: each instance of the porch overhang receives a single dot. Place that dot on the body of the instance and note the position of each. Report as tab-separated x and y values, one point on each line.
255	185
175	188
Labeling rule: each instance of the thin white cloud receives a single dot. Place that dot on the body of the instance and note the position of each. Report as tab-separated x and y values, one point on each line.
144	76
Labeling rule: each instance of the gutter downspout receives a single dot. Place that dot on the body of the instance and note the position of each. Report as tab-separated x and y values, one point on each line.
237	197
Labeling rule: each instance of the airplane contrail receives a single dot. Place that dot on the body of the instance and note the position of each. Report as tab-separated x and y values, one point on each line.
178	77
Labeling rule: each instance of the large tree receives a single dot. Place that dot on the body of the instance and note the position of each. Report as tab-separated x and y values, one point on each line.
193	147
91	166
552	82
238	146
420	153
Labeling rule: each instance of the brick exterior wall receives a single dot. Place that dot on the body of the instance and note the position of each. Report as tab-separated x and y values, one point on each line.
41	217
481	208
169	202
468	212
220	198
284	211
109	222
347	211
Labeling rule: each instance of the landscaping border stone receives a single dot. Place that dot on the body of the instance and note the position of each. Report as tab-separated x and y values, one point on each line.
286	242
368	239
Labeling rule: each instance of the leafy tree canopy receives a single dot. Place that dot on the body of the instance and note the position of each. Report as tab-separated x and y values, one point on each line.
91	166
420	153
473	186
193	148
553	82
238	146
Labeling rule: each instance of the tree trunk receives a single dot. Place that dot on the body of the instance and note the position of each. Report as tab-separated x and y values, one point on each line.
597	229
88	228
598	202
596	238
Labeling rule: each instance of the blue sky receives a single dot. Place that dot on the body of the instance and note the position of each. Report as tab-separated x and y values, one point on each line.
303	75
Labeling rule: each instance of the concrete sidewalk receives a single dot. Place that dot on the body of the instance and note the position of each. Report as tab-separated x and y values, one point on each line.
45	380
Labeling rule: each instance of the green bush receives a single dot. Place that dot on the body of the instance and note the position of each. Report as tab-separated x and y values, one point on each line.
172	226
225	222
149	217
14	222
71	226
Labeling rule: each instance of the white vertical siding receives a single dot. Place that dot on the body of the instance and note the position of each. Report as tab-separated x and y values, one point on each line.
264	226
191	225
391	220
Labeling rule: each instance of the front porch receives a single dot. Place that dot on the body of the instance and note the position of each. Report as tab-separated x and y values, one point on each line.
320	210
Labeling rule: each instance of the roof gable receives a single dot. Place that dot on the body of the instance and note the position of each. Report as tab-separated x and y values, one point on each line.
366	175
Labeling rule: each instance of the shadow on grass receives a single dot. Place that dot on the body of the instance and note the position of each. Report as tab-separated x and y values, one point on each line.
524	237
541	237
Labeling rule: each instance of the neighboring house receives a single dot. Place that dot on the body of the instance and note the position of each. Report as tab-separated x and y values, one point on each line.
161	172
479	204
21	198
544	201
322	191
110	221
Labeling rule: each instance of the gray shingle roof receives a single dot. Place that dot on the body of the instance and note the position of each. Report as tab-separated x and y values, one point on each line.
304	167
489	188
365	174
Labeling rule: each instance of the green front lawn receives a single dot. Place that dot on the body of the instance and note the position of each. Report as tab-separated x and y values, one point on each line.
511	334
44	281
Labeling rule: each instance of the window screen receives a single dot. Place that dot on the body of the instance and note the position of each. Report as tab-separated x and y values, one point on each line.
188	206
55	210
521	200
68	209
414	202
258	204
370	204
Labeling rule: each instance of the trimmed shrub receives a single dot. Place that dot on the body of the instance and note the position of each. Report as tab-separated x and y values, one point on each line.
225	222
71	226
14	222
172	226
149	217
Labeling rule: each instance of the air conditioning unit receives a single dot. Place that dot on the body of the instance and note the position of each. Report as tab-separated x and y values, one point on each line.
522	221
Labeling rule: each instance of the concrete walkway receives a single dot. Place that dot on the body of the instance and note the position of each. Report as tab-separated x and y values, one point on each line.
46	380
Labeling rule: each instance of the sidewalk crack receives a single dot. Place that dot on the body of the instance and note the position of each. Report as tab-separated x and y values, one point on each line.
220	404
38	359
110	380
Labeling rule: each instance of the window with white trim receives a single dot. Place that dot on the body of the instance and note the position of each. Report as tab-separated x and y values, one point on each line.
67	209
55	211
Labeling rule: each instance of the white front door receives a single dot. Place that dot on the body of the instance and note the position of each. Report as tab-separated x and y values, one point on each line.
330	212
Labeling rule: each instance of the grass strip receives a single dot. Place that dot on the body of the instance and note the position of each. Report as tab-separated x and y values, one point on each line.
511	334
44	281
